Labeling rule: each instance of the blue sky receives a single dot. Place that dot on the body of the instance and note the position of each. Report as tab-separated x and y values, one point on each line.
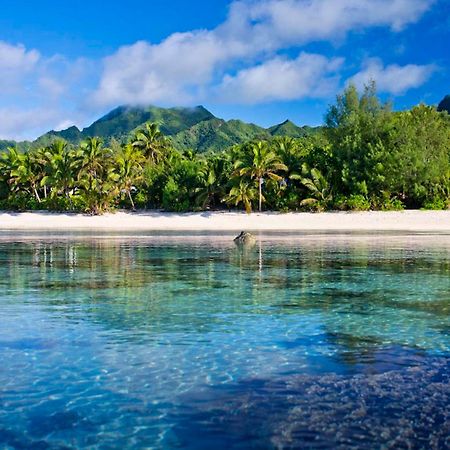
64	63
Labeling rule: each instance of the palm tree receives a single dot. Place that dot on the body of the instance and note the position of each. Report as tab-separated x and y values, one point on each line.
212	177
96	174
94	160
259	161
62	169
320	190
9	162
289	152
129	169
150	141
28	173
44	164
244	193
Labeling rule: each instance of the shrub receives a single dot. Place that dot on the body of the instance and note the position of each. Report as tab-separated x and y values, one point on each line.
436	203
173	197
355	202
141	200
387	203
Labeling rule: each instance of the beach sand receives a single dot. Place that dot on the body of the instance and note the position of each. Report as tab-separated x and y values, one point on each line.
405	221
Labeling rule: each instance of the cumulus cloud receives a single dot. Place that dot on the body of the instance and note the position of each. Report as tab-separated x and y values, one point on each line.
36	91
182	67
238	61
309	75
393	78
142	72
20	124
17	57
16	62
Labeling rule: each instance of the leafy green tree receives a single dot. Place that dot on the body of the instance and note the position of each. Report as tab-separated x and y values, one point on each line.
319	188
62	168
244	192
129	170
96	176
9	162
358	129
417	167
151	142
258	161
27	173
213	179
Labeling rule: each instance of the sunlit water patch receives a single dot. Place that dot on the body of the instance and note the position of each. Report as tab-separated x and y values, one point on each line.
189	342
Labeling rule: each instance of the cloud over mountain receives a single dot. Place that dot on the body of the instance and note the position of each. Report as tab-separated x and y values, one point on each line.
185	66
258	54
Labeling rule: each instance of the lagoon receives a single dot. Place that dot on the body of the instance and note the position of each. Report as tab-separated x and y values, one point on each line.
170	340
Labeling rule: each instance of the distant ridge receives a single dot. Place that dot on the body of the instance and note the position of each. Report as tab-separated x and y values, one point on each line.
444	104
288	128
189	128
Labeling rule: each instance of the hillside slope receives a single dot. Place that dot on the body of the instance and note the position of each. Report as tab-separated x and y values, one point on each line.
189	128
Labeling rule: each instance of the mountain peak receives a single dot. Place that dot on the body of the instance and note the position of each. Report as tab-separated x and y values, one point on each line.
444	104
193	127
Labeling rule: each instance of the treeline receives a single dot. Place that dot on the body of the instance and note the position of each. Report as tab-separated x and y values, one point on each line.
365	157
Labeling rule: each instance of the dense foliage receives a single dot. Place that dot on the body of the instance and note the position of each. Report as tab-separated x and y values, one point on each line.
366	157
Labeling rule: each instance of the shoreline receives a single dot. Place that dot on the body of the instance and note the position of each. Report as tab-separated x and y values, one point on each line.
368	221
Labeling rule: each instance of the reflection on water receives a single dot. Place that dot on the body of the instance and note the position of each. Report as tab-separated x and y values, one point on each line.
169	341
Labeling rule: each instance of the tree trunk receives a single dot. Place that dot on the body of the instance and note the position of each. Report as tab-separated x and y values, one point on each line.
66	191
36	194
260	194
131	200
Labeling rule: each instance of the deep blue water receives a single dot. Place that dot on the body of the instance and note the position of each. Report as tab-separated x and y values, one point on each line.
190	342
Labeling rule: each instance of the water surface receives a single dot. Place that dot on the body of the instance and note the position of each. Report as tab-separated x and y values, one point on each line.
171	341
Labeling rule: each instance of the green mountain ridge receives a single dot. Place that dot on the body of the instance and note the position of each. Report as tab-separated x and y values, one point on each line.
193	128
444	104
189	128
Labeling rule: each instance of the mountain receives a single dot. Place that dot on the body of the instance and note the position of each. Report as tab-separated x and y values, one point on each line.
189	128
444	105
288	128
22	146
217	134
120	122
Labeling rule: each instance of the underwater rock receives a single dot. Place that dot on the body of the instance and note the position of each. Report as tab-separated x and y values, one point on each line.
245	238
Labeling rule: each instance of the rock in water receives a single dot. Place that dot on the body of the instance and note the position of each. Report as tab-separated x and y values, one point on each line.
245	238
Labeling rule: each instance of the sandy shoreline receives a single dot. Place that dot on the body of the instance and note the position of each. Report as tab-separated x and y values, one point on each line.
407	221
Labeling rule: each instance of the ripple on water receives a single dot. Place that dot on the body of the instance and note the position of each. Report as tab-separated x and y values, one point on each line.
326	344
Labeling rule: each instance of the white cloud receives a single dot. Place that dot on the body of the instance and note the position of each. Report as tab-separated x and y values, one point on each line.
16	57
143	73
393	78
15	64
38	91
183	67
309	75
291	22
20	124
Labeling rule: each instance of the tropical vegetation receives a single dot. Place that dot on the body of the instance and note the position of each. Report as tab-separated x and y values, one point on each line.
366	156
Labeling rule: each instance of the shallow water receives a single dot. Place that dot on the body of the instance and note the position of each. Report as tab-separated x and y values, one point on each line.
173	341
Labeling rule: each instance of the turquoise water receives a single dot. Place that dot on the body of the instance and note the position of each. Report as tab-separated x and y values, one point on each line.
172	341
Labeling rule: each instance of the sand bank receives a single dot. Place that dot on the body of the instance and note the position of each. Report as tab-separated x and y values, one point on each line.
406	221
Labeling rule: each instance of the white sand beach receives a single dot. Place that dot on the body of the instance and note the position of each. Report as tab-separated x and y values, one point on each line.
406	221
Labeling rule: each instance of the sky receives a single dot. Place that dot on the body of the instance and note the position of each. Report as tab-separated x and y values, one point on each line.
66	63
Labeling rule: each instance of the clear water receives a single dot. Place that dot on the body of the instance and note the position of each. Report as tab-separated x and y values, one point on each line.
189	342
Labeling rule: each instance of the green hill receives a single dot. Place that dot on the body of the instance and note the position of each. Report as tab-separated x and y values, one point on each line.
444	105
121	121
22	146
288	128
217	134
189	128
